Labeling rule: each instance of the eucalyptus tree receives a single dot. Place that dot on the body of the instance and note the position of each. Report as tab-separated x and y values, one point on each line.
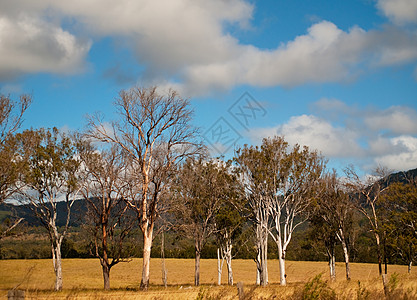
399	210
280	183
103	187
228	219
199	190
155	133
50	176
332	219
254	178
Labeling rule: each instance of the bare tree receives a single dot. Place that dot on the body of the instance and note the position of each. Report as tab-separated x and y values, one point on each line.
11	117
365	195
50	177
11	114
155	133
102	185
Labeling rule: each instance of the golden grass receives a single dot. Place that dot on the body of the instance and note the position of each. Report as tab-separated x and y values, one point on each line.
83	279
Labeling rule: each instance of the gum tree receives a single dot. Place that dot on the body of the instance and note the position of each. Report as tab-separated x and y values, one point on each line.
199	191
332	219
154	132
280	184
253	176
50	176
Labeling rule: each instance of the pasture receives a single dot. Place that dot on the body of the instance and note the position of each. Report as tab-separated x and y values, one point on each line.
83	280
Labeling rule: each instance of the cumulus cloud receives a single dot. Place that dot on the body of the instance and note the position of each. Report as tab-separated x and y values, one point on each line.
404	159
186	43
325	54
396	119
29	45
317	134
400	11
383	137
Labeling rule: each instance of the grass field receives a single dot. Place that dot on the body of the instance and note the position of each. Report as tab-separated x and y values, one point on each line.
83	279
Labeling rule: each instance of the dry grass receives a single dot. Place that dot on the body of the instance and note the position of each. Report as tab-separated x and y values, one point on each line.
83	279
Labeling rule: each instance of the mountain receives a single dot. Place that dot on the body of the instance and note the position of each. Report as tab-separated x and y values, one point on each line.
78	212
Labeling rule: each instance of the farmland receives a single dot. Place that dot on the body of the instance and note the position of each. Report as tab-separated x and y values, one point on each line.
83	279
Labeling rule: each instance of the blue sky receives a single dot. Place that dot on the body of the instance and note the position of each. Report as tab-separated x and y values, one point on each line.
338	76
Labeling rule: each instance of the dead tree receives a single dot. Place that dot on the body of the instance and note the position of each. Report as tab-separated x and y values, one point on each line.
365	195
149	123
11	117
102	185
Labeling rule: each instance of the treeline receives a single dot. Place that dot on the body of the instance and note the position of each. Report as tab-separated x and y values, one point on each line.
148	174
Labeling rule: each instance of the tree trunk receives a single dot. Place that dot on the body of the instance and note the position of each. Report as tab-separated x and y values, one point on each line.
106	276
330	249
409	266
219	267
281	259
105	259
56	255
147	244
164	270
378	251
346	254
332	265
258	270
197	268
264	265
229	265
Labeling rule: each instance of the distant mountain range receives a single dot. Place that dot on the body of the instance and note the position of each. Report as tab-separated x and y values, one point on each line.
79	209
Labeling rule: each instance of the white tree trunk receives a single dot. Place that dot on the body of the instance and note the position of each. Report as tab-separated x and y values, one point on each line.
409	266
229	265
219	267
147	244
346	254
281	259
332	266
57	262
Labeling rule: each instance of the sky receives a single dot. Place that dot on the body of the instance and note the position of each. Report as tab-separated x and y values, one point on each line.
337	76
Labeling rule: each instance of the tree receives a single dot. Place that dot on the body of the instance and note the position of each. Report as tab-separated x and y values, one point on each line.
228	221
103	188
252	170
11	117
364	196
155	132
281	184
200	188
50	176
295	176
399	208
332	219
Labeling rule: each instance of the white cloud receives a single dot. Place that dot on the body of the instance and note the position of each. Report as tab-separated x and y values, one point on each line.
325	54
29	45
385	137
400	11
396	119
186	43
404	160
317	134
